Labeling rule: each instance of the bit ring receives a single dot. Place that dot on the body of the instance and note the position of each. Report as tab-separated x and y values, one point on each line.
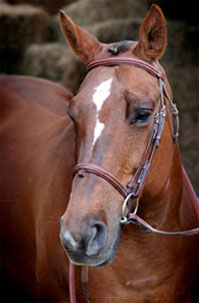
124	219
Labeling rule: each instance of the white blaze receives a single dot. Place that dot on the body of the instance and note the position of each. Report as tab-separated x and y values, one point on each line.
102	92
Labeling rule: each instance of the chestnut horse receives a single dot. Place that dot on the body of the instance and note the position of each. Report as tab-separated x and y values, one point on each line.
124	124
37	156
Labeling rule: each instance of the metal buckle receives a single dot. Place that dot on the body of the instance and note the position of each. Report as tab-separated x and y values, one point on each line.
124	219
175	114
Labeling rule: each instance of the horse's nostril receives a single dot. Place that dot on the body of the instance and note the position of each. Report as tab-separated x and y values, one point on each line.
89	241
97	238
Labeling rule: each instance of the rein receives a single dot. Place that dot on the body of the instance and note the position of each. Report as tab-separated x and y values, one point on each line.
133	190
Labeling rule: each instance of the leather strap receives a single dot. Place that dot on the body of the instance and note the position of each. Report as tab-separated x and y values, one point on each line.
72	291
135	219
126	60
84	278
82	168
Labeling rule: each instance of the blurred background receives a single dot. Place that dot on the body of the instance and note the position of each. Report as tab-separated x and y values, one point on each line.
31	43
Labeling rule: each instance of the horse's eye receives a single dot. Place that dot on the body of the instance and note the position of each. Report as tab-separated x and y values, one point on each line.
141	116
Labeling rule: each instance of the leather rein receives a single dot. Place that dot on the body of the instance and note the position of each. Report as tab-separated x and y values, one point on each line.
133	190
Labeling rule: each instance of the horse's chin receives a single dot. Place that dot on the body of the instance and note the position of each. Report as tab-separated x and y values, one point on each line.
105	257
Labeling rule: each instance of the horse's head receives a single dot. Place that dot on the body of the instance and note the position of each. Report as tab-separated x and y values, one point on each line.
113	113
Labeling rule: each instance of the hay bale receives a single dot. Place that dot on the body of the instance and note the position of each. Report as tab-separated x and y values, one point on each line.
50	6
53	61
21	25
43	61
115	30
91	11
108	31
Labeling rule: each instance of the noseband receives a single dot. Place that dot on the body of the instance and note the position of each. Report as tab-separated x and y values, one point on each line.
133	190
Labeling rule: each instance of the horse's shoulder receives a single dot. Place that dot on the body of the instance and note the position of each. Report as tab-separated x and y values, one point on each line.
20	91
34	129
33	120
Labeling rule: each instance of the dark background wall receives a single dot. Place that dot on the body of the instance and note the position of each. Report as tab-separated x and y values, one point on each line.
31	43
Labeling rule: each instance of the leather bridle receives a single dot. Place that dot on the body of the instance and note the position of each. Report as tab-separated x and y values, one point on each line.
133	190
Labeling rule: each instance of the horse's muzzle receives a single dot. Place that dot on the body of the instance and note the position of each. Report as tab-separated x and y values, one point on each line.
86	245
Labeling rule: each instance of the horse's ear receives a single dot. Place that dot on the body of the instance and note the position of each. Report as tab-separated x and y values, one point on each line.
84	45
152	35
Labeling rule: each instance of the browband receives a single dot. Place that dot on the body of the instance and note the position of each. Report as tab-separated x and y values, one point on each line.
126	60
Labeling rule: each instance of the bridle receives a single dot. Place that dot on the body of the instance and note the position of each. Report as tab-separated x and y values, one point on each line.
133	190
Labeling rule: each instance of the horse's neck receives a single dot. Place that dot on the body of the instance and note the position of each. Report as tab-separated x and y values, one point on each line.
148	252
189	210
164	208
183	196
176	206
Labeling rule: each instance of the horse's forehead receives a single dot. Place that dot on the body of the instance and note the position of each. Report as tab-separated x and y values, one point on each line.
98	86
105	83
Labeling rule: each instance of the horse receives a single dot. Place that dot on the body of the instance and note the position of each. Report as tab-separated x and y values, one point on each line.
121	128
116	111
